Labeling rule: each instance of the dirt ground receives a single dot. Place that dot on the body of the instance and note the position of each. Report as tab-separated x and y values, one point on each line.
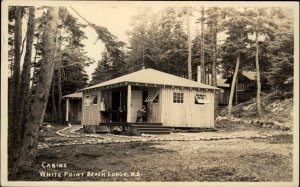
268	159
218	160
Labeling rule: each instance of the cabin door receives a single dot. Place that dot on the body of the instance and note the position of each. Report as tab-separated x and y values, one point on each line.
136	103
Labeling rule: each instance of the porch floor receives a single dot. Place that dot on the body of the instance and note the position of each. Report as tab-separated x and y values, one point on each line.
135	128
128	123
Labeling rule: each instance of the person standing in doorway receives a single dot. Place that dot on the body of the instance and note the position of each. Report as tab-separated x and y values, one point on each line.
141	114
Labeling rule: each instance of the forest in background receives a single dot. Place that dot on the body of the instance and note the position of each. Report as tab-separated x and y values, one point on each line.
229	40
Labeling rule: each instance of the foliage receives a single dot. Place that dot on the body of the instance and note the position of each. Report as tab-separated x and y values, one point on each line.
113	46
280	48
103	70
159	41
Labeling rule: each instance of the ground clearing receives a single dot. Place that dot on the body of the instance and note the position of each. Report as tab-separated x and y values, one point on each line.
218	160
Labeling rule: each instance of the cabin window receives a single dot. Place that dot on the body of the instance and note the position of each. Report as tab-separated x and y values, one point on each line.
95	100
153	97
89	99
240	87
177	97
201	99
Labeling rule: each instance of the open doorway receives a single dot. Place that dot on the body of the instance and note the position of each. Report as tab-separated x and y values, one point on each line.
145	95
115	104
115	100
119	105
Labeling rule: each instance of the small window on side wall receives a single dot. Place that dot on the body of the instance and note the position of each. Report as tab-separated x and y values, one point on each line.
153	97
156	99
177	97
201	99
89	99
95	100
240	87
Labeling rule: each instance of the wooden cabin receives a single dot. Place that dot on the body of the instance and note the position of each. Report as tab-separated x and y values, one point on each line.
245	86
73	108
223	95
171	100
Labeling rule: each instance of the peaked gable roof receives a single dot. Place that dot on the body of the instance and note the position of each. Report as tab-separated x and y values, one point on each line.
251	75
222	83
151	76
74	95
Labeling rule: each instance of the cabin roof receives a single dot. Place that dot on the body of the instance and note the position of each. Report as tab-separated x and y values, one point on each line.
251	75
222	83
74	95
151	76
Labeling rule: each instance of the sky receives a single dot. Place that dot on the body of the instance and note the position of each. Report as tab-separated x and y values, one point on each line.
116	17
113	15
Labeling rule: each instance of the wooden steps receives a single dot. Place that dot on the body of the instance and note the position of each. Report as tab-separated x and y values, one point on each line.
74	122
149	128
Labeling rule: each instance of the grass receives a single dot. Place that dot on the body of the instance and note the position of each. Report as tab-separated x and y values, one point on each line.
234	160
279	139
223	160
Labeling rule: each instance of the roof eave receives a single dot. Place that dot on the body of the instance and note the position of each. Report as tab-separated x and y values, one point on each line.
115	85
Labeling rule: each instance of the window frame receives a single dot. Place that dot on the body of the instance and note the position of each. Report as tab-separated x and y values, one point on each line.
152	97
88	99
95	99
201	99
178	97
239	87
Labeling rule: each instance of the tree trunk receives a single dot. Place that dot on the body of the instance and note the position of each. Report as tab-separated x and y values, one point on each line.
40	98
34	64
59	96
25	77
214	70
143	54
59	89
189	45
258	99
54	110
13	129
232	88
214	65
202	63
236	90
55	114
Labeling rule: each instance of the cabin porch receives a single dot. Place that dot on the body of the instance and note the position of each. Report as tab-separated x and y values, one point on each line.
123	103
73	108
132	128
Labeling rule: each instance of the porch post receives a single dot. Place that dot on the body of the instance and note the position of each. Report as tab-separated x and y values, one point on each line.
67	110
129	103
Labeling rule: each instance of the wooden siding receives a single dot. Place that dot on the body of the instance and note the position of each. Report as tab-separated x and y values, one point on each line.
186	114
223	97
91	113
136	103
154	109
